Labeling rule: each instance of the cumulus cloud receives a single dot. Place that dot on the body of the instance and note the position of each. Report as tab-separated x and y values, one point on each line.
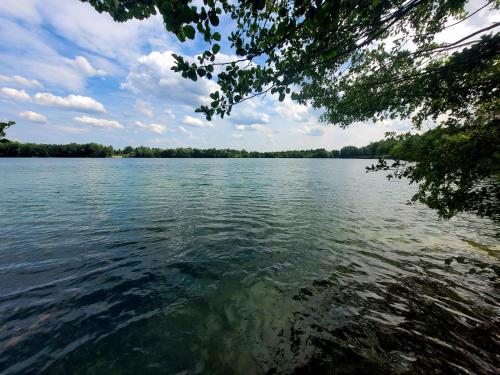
314	131
195	122
293	111
152	76
20	81
70	102
144	108
85	67
155	128
15	94
247	117
258	128
33	116
98	122
252	127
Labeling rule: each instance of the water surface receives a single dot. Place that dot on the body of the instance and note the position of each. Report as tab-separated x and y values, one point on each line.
237	266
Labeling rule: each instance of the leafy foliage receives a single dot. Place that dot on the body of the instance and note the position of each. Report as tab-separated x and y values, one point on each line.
16	149
324	50
72	150
3	127
147	152
458	165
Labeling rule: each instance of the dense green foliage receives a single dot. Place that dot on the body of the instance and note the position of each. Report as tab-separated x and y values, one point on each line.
474	146
391	148
330	52
147	152
378	149
16	149
3	127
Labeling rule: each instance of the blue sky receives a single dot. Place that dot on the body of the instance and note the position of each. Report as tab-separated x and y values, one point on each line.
70	74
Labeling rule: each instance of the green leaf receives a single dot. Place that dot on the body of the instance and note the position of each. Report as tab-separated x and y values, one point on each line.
214	20
216	36
180	35
189	31
215	48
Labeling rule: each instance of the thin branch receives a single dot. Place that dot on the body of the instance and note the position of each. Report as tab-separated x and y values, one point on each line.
465	18
257	94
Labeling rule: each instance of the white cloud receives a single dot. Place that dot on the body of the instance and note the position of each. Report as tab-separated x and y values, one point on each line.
20	81
185	131
483	18
33	116
314	130
195	122
80	23
170	113
293	111
247	117
144	108
70	129
252	127
155	128
152	75
26	46
102	123
256	128
85	67
15	94
24	50
84	27
71	102
24	10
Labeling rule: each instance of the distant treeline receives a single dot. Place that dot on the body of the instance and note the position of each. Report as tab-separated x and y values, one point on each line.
15	149
148	152
72	150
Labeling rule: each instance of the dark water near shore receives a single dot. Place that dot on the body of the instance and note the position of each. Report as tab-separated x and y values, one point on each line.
237	267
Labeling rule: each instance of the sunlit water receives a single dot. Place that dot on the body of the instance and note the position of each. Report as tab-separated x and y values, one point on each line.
237	267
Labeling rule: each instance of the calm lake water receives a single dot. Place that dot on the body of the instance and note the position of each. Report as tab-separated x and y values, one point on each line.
230	266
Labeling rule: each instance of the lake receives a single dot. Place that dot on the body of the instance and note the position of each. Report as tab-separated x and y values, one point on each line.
238	266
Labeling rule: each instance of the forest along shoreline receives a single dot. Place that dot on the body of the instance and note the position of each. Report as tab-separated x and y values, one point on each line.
378	149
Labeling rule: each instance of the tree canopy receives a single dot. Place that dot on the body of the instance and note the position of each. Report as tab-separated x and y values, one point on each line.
327	52
3	127
357	60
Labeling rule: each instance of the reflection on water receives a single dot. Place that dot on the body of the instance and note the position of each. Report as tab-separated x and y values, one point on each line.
237	266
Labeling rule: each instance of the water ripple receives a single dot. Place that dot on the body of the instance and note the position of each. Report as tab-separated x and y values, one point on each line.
237	266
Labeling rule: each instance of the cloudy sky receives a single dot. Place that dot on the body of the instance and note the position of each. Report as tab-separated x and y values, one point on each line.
69	74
